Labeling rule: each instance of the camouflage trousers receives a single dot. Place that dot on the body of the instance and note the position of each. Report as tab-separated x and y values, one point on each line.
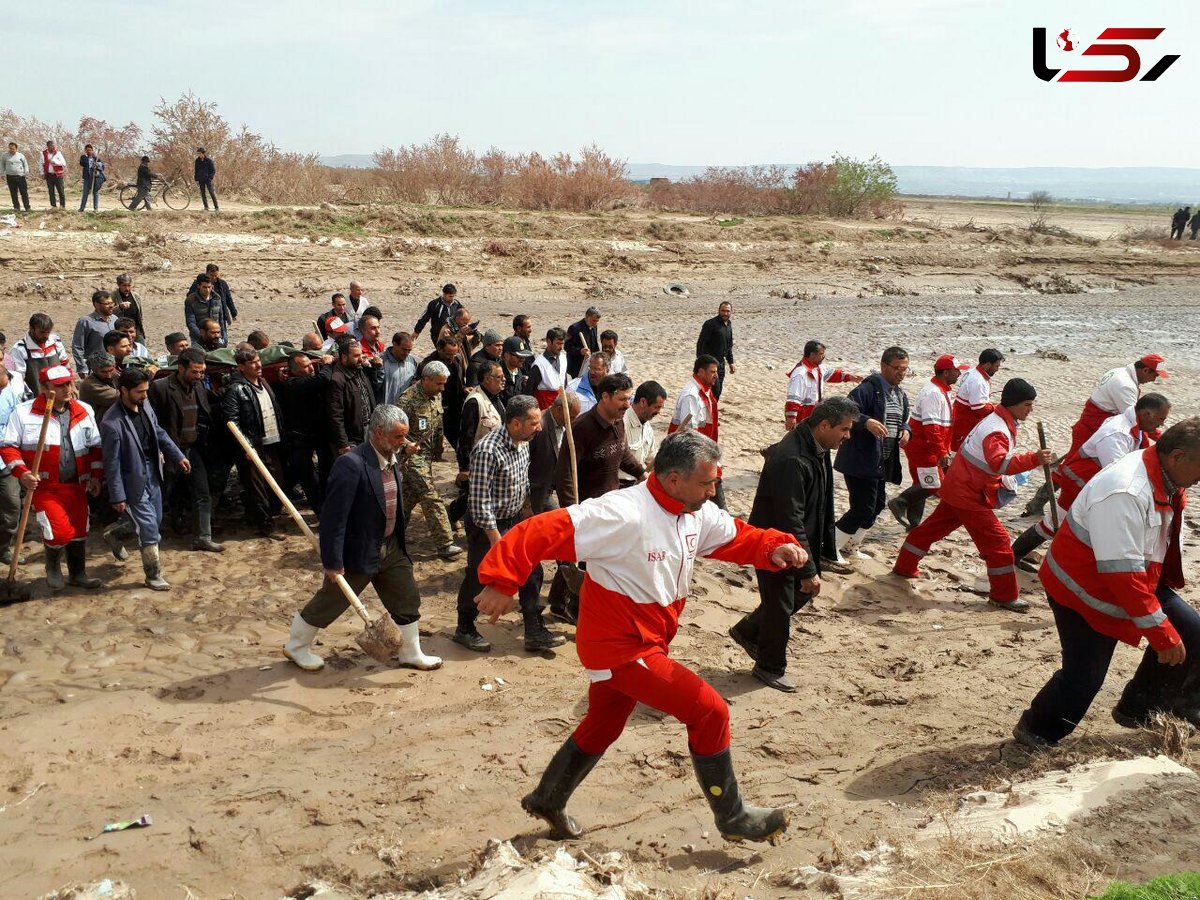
419	491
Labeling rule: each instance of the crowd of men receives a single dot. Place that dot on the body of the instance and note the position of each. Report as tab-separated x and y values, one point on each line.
556	459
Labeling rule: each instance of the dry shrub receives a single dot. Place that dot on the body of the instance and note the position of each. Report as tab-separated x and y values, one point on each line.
1144	233
495	248
444	171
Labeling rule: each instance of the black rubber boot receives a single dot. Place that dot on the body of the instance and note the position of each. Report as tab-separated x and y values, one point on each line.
735	820
54	575
537	635
1186	704
566	771
77	566
1027	541
1153	688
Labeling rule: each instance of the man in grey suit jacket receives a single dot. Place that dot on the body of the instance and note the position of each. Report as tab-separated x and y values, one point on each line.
134	447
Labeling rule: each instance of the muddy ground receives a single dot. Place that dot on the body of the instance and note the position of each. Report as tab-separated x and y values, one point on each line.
259	776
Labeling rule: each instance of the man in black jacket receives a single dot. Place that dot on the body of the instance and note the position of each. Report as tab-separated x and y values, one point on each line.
249	402
795	495
362	538
583	339
182	406
349	398
302	399
871	458
128	305
220	289
716	340
440	311
145	185
448	353
206	171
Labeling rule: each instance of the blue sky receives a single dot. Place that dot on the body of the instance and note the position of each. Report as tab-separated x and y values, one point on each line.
921	82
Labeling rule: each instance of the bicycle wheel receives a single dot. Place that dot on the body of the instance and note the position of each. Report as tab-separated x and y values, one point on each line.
176	197
126	196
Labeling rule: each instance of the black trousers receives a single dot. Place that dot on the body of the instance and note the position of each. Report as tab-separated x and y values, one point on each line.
301	469
258	499
206	186
1086	656
54	184
719	386
18	185
478	546
769	626
868	496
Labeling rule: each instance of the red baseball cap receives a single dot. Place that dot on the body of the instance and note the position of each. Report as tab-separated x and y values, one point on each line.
55	375
1153	361
949	361
336	326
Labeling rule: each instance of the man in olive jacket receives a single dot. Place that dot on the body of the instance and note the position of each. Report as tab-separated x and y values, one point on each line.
795	495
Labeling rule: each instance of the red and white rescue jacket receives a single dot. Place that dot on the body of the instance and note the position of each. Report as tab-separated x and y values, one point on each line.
27	351
806	389
1120	540
1115	439
697	401
1115	392
930	426
25	427
972	404
552	378
985	456
640	547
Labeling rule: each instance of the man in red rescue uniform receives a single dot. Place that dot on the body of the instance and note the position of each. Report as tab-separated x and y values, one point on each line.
928	449
970	492
71	469
1117	437
806	384
973	402
1118	390
640	545
1111	574
696	408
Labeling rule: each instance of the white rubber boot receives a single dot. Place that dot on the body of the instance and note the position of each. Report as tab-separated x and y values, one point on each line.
299	644
847	542
410	655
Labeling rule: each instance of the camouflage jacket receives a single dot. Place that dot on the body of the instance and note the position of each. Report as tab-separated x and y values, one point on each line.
424	413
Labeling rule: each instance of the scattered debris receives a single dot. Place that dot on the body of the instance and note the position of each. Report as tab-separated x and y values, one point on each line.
106	889
1051	354
677	290
140	822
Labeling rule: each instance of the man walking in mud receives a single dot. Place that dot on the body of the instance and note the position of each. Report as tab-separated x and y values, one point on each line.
640	545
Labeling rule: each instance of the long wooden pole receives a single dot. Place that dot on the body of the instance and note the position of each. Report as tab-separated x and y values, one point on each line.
25	506
1049	478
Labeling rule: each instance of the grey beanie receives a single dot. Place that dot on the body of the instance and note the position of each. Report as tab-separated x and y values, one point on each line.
100	359
492	336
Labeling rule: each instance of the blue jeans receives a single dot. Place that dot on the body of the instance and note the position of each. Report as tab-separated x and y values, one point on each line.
91	186
1086	655
145	514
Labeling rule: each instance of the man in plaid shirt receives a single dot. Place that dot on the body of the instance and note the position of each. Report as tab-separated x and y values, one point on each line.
499	494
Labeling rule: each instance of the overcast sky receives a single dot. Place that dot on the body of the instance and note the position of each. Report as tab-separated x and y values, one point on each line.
921	82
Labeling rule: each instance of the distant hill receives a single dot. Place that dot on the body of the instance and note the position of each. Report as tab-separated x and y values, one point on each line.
1168	187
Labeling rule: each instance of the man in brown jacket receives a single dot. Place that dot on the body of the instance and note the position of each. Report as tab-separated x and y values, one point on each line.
99	389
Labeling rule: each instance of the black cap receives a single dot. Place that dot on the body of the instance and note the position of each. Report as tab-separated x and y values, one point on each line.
516	347
1017	391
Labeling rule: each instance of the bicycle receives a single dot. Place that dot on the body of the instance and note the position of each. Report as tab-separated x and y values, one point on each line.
174	192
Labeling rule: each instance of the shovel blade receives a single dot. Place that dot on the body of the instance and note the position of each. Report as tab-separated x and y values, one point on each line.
14	592
380	640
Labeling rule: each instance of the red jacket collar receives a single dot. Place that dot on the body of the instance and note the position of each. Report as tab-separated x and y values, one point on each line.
668	503
705	392
986	376
941	384
1154	471
1008	420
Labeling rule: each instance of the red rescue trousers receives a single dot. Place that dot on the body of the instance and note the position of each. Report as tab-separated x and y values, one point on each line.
660	682
990	537
61	511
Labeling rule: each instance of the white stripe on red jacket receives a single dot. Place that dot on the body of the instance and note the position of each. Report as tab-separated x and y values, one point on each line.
1121	537
640	547
986	455
25	427
804	389
930	425
1115	439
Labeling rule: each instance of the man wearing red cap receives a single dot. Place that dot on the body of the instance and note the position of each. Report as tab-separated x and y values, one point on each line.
71	469
928	449
970	496
1116	392
973	402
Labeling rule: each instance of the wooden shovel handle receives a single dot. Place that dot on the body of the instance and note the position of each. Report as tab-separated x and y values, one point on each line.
570	435
1049	478
28	502
252	455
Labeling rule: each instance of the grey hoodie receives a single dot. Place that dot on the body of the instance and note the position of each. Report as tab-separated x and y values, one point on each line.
14	163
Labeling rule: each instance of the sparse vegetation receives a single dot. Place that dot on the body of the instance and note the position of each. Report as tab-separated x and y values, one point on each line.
1170	887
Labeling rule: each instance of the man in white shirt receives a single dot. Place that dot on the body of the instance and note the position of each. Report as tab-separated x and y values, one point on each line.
16	173
648	401
616	359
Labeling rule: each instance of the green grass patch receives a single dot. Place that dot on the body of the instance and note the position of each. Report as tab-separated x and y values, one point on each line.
1185	886
730	223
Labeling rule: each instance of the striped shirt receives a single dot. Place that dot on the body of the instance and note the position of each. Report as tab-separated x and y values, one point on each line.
894	420
499	482
391	491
